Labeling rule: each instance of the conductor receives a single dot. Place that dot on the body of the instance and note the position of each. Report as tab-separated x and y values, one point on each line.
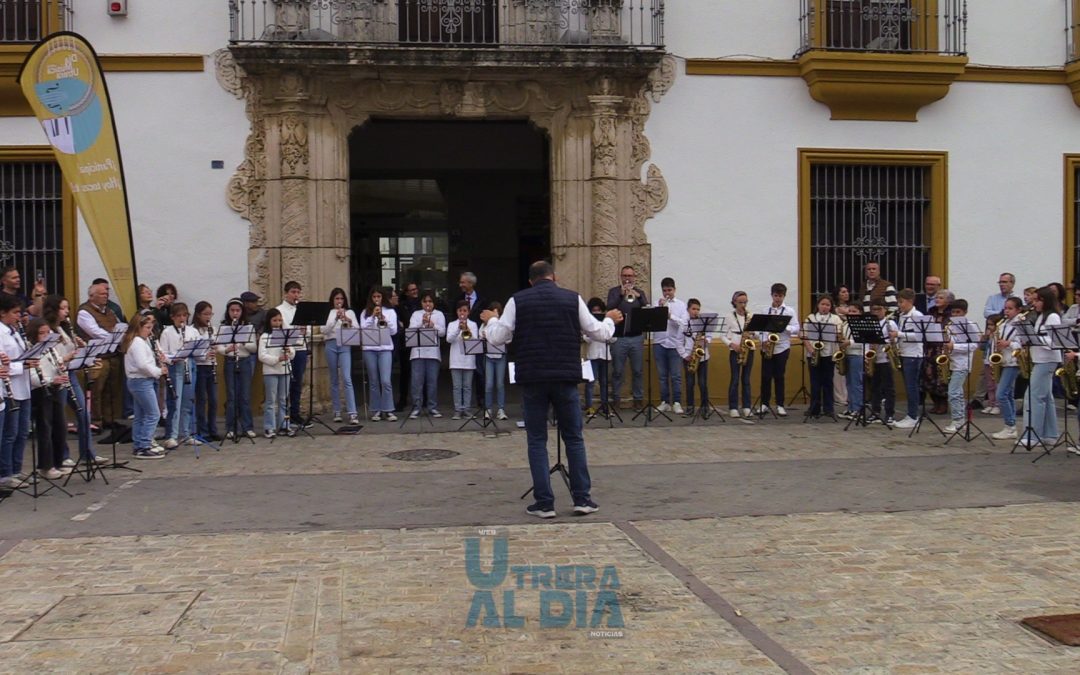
546	323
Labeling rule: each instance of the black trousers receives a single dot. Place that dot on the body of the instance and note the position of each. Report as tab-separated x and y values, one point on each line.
772	373
50	426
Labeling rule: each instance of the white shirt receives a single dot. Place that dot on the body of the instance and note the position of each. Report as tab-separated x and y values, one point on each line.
598	349
888	327
243	349
171	339
911	344
89	326
501	330
785	335
139	360
210	359
678	318
734	329
271	357
961	356
390	317
1007	331
438	322
1042	353
332	329
686	347
288	313
830	347
459	360
12	344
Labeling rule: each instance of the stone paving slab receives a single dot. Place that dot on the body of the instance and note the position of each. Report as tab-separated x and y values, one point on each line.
368	601
937	591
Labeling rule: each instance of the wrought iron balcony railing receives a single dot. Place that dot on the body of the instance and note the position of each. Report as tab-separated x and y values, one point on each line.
31	20
889	26
1072	31
450	23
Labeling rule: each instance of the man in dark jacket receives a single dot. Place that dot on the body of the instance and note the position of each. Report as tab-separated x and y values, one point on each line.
546	323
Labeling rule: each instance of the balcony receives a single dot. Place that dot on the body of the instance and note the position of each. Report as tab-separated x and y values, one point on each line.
1072	48
881	59
448	33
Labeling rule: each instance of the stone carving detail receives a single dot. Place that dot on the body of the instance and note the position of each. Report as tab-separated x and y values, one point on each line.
641	259
294	212
662	78
451	94
650	198
259	272
294	145
294	265
229	75
605	269
605	221
604	146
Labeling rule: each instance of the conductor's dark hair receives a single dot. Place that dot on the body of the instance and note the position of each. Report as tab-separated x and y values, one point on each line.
540	269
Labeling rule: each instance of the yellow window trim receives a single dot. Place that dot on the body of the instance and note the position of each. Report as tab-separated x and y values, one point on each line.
10	154
1072	165
939	211
790	68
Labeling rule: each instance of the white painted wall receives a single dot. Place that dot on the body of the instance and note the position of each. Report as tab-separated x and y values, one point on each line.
155	26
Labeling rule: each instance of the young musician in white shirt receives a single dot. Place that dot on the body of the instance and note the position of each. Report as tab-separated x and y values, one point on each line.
821	374
379	359
16	425
665	349
911	355
339	356
47	397
1045	361
426	361
960	355
599	354
686	351
143	367
182	372
462	365
882	387
773	368
494	375
206	381
739	385
239	369
276	363
294	292
1006	343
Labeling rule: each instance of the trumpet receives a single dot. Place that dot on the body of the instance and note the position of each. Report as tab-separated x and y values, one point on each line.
629	293
698	354
747	345
466	334
769	347
379	315
868	362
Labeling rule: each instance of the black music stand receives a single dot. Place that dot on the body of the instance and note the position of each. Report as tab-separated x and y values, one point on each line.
605	408
558	467
348	336
105	347
311	314
1063	339
84	359
648	320
1027	336
765	324
801	391
707	324
865	330
235	335
481	347
965	331
825	333
417	338
281	338
929	332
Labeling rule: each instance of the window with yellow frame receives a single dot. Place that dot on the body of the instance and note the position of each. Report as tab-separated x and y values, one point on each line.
27	21
872	25
861	206
37	220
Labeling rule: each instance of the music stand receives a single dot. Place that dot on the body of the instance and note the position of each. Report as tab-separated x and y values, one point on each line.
825	333
1027	336
1062	338
707	324
84	360
193	349
865	330
416	338
228	335
965	331
605	408
481	347
311	314
350	336
765	324
648	320
279	339
929	332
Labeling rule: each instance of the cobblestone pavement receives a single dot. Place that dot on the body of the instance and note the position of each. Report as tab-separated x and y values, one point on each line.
934	589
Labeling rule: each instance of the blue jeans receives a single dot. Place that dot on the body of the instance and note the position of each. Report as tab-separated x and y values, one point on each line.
238	375
957	401
462	380
1006	393
276	391
296	384
537	398
599	370
206	402
16	429
911	367
669	365
425	383
340	356
854	377
178	422
1043	415
634	348
82	420
740	380
147	413
380	389
495	382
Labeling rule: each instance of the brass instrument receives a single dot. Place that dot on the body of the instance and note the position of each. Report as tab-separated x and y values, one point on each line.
892	351
770	345
746	345
1023	361
629	293
381	320
996	358
426	321
868	362
698	354
466	334
1069	383
815	356
839	359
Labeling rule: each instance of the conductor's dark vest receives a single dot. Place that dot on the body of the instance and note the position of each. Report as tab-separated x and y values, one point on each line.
547	334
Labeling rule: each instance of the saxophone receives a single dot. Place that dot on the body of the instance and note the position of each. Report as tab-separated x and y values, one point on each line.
892	351
996	358
868	361
815	356
770	345
698	354
746	345
1068	373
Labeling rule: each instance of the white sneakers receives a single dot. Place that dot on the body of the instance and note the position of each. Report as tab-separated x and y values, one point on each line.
501	415
677	408
733	413
906	423
993	410
746	412
1005	434
780	411
171	443
664	407
951	428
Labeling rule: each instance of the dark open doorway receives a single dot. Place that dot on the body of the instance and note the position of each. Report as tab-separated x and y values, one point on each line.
430	199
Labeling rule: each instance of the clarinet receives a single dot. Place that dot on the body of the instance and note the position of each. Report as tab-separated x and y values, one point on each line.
62	369
187	368
212	354
74	336
164	369
236	349
9	394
